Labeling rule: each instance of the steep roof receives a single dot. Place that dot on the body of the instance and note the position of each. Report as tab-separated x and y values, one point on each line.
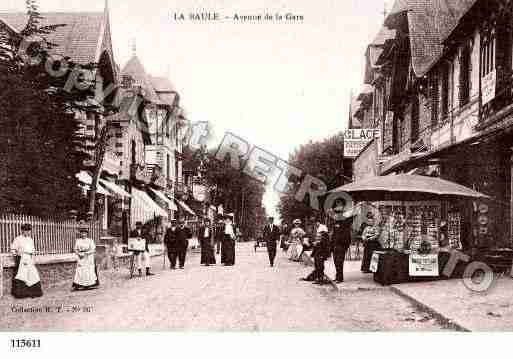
366	90
375	48
162	84
429	22
136	70
164	89
382	36
81	38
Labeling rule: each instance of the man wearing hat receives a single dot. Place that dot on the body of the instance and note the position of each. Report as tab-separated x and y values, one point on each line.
271	236
320	253
341	240
171	244
140	255
183	235
219	234
370	240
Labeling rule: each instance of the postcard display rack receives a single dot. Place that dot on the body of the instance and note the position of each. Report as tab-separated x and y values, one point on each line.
405	226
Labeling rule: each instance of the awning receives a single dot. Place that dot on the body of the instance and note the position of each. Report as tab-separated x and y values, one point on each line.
162	196
87	180
115	188
185	207
148	205
409	183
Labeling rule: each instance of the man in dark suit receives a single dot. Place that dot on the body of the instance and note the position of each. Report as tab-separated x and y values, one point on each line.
205	237
171	245
341	242
321	252
183	234
142	255
219	234
271	237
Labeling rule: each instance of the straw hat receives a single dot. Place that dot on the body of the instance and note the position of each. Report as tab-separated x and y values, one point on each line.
83	227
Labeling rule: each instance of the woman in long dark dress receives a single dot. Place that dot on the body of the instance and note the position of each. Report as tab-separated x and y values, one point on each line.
26	282
207	249
228	246
370	237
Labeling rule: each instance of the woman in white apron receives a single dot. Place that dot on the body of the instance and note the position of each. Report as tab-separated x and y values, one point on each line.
26	282
296	240
86	274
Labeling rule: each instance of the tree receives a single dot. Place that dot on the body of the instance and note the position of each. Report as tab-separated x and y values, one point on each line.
231	188
41	149
323	160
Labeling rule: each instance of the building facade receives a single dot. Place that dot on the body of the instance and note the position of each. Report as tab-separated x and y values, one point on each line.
442	97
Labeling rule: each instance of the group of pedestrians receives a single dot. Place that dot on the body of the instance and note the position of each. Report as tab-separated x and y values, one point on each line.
26	281
316	240
221	236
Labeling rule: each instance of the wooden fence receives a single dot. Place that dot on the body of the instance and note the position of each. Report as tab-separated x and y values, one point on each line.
50	236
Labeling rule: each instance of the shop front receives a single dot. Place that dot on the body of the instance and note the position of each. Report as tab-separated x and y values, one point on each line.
416	239
418	221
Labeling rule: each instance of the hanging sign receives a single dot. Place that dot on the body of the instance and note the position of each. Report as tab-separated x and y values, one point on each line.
488	85
373	267
355	139
423	265
199	192
388	131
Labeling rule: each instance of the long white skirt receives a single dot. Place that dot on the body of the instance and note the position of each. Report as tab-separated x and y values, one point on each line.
27	271
85	274
294	251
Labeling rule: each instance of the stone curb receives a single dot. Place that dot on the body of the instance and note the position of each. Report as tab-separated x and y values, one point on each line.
439	317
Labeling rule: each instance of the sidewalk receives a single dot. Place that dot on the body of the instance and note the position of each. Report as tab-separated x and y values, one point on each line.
449	300
467	310
354	279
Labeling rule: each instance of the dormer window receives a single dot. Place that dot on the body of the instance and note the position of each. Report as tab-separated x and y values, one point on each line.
127	81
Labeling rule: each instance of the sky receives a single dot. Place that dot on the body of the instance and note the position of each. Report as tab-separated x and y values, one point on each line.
275	84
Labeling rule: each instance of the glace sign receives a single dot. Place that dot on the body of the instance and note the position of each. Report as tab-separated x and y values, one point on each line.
355	139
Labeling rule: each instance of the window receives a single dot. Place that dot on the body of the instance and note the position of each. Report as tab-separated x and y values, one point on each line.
465	68
487	53
160	128
168	165
445	90
133	153
414	130
378	103
168	127
127	81
176	170
434	95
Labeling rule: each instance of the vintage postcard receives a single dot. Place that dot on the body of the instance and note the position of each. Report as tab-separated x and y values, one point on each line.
257	166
